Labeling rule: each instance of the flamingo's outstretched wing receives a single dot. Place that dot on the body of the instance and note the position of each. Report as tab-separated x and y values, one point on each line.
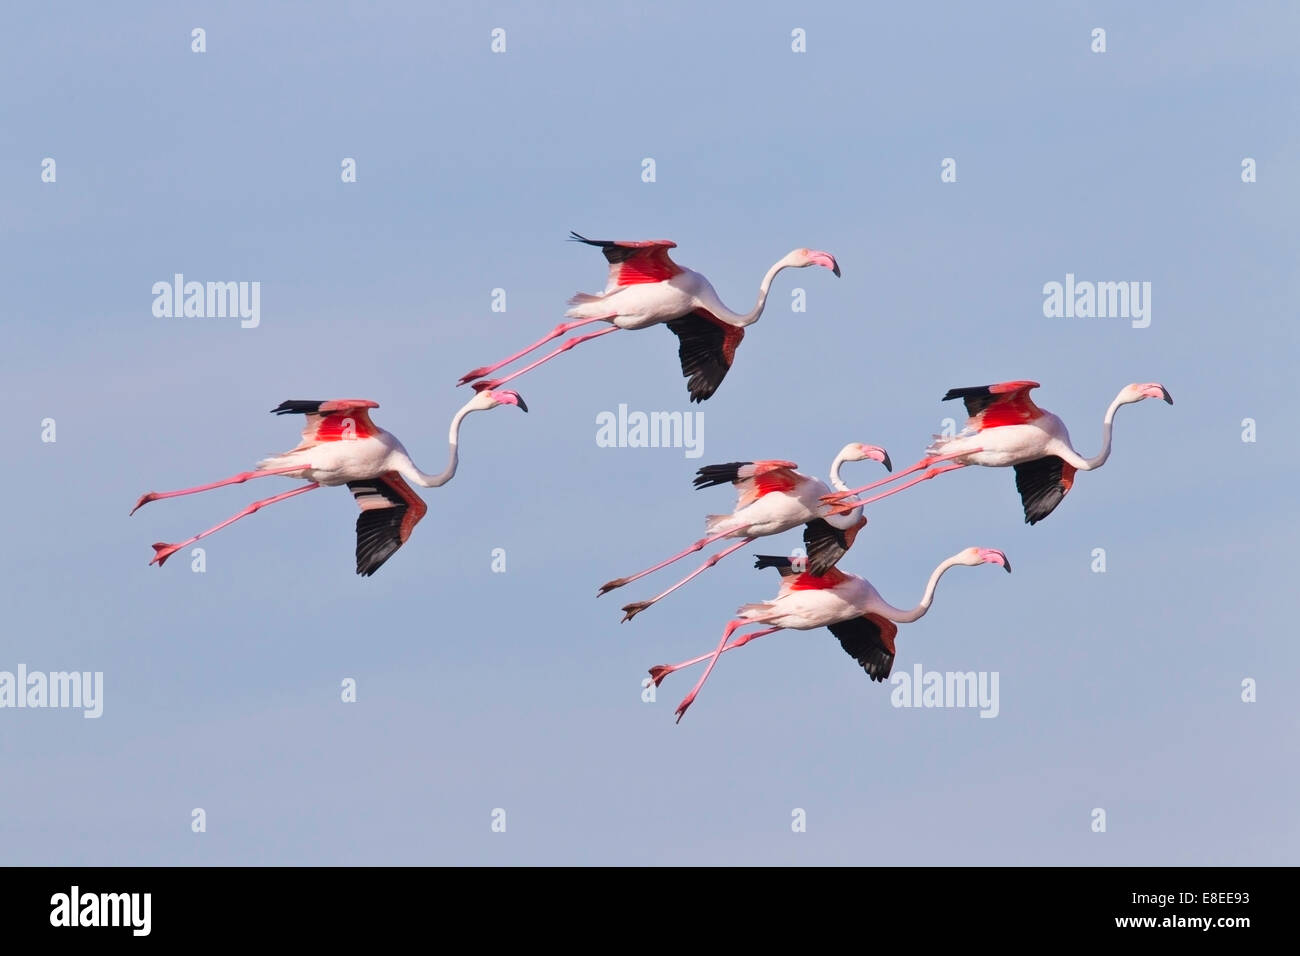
784	566
338	420
706	348
753	479
1043	484
794	578
826	544
869	640
389	512
631	263
990	406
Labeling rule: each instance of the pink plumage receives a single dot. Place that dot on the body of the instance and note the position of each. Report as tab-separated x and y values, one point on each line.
341	446
644	288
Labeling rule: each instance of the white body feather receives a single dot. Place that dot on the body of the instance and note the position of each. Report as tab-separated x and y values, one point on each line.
1009	444
644	304
806	610
338	462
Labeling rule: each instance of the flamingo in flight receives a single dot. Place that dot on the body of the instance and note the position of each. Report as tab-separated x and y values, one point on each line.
1005	427
342	446
771	497
647	288
846	604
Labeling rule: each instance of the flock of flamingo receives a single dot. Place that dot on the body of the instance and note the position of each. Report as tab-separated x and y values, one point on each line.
341	446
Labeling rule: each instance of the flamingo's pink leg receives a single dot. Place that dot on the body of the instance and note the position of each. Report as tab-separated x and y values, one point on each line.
923	463
632	610
163	551
555	333
850	505
702	543
498	382
660	671
235	480
722	646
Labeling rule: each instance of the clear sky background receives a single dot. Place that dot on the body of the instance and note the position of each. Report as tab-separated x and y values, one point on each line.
520	690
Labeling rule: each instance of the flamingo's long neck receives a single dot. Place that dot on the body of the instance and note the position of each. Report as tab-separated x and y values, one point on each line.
848	519
836	481
736	318
918	612
1107	426
453	438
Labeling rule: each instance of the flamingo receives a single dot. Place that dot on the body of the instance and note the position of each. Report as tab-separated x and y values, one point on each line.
647	288
1005	427
771	497
342	446
846	604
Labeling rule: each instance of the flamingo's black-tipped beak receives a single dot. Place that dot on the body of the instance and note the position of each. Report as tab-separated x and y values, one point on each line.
509	396
1155	390
889	465
818	258
994	556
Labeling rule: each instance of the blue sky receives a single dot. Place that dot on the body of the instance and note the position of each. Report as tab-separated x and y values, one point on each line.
479	690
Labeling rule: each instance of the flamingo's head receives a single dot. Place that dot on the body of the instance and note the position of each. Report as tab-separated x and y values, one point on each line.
1135	393
977	556
491	398
856	451
802	258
